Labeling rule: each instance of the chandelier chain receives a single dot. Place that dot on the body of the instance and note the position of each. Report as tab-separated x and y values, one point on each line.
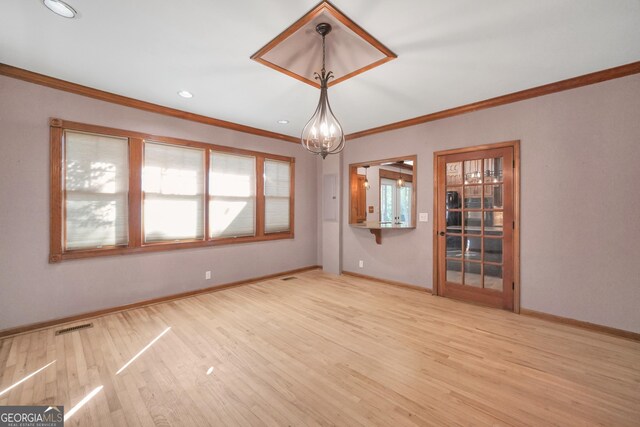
323	55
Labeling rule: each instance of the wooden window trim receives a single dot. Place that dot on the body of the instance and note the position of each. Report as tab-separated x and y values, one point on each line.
136	243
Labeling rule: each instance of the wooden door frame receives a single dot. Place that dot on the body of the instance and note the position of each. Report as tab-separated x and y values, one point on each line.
516	213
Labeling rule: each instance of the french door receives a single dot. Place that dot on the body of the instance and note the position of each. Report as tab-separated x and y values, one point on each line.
475	225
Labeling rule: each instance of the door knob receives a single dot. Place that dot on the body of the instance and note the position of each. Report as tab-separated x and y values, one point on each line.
441	233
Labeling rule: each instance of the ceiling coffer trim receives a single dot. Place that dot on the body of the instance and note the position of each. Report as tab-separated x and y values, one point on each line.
323	7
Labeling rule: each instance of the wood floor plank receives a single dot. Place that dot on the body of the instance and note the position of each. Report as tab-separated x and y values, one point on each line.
326	350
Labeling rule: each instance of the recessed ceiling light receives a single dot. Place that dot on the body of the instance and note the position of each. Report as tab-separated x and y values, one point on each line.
283	122
185	94
60	8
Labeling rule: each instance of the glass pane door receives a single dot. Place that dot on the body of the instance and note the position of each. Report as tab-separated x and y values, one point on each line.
471	223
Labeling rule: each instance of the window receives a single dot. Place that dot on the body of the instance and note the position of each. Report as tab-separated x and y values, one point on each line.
97	185
232	195
395	202
118	192
387	200
405	203
173	186
277	194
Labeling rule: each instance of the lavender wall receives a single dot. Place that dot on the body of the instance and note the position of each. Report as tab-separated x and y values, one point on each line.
31	290
580	204
580	221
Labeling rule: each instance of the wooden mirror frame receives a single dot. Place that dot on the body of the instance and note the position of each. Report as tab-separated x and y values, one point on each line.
353	190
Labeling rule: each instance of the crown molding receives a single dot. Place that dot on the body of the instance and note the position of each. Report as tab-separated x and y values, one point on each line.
52	82
572	83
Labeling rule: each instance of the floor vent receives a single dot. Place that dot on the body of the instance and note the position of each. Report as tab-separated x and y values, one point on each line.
74	328
289	278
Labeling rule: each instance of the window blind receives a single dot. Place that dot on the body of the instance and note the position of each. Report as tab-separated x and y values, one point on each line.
173	186
96	182
277	185
232	195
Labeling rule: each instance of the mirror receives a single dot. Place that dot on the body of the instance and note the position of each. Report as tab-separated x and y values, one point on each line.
383	193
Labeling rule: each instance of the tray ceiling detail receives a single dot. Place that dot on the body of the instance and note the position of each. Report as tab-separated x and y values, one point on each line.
297	51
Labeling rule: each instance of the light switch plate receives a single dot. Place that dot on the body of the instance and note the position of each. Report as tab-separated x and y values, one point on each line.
424	217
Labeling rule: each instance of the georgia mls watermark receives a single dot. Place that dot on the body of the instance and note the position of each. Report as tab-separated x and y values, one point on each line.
31	416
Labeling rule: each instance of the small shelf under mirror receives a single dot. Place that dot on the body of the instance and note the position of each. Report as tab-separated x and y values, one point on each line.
376	228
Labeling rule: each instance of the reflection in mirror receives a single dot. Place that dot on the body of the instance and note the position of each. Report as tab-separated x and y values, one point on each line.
472	248
493	196
493	223
453	215
454	272
493	250
493	169
383	193
472	172
473	197
493	277
472	222
454	173
473	274
454	247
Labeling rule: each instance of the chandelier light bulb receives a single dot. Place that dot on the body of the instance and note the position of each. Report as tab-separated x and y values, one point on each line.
400	181
366	178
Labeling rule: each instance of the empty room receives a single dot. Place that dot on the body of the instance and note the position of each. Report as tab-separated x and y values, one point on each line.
292	213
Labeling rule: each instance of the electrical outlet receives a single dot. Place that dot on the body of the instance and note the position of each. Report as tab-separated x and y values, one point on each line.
361	264
424	217
207	275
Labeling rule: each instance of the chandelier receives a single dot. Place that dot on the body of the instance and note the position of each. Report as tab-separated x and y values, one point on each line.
400	181
366	178
323	134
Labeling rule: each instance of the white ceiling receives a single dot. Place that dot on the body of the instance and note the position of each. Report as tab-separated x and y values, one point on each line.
450	52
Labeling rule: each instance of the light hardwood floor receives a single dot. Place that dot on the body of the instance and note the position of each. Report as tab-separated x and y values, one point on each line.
326	350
